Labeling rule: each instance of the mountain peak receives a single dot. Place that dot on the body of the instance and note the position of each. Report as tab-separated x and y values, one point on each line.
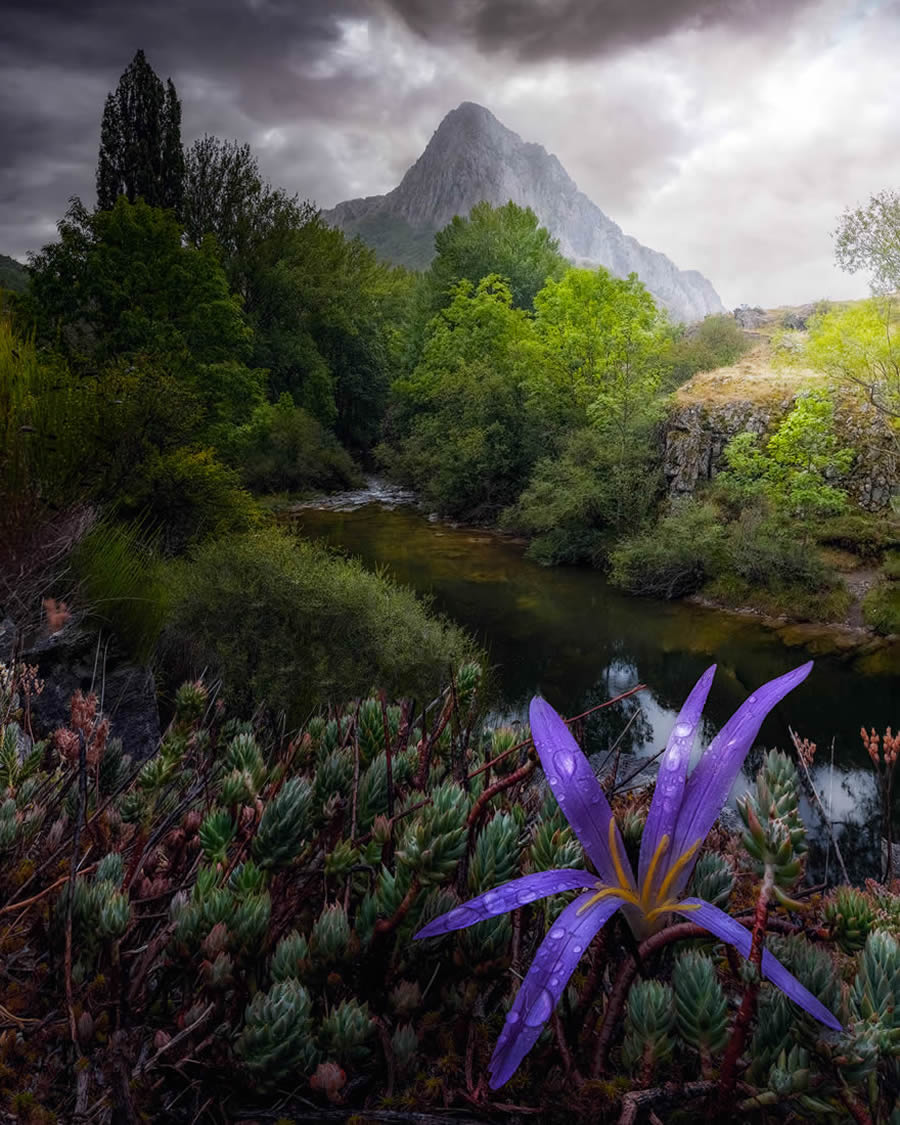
473	157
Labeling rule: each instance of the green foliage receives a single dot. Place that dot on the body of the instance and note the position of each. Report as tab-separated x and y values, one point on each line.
122	584
855	345
572	500
282	448
506	240
140	141
287	624
868	238
470	440
865	535
881	607
346	1031
793	469
717	341
676	557
190	497
432	844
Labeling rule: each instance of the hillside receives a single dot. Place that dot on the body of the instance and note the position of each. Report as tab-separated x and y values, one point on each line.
13	274
473	157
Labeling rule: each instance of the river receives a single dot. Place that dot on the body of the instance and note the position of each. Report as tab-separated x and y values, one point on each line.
566	633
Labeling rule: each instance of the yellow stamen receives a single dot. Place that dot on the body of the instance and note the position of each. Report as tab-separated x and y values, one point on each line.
647	889
624	882
609	892
676	868
672	904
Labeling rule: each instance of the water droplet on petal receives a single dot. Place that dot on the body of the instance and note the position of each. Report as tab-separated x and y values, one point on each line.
577	948
512	1016
541	1009
554	981
490	898
751	699
673	760
564	760
558	933
682	730
554	781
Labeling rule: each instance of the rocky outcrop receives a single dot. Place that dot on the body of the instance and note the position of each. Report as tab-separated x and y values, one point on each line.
473	157
696	433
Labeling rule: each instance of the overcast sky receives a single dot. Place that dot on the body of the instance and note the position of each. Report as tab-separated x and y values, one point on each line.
729	134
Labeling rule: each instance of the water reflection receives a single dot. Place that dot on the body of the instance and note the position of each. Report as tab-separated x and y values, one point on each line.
567	634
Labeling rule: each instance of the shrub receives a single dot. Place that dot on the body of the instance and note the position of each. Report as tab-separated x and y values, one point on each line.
190	496
881	608
674	558
122	585
284	449
768	553
865	535
287	624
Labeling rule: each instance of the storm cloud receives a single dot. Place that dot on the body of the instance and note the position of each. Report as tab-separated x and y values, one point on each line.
729	135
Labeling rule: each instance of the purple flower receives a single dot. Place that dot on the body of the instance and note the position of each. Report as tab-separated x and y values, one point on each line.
681	814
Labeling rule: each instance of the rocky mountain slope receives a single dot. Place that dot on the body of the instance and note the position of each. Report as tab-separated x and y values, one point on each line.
473	157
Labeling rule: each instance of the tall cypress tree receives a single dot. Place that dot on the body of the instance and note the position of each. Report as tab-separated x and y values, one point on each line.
140	141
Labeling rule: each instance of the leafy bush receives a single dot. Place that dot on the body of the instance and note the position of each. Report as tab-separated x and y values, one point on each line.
676	557
881	608
190	496
571	499
865	535
768	552
284	449
287	624
717	341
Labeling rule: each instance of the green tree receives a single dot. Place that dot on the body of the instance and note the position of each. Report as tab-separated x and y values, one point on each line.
858	345
868	238
603	340
225	195
140	141
505	240
119	285
468	437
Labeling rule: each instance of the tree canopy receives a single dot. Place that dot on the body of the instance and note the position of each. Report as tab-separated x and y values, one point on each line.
140	141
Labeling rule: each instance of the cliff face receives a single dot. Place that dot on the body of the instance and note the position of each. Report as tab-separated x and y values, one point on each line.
472	157
709	410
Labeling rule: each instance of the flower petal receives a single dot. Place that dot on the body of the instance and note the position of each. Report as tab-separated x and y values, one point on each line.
517	892
554	963
732	932
710	782
669	792
576	789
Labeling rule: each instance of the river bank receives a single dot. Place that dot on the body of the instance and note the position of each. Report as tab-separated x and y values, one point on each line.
828	637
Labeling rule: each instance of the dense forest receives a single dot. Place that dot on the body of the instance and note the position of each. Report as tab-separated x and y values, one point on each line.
193	352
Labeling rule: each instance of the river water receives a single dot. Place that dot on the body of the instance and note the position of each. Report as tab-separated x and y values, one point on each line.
566	633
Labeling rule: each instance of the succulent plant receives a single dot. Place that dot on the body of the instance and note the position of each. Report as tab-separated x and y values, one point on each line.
713	879
701	1010
649	1023
850	917
277	1038
288	960
346	1032
775	837
281	832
